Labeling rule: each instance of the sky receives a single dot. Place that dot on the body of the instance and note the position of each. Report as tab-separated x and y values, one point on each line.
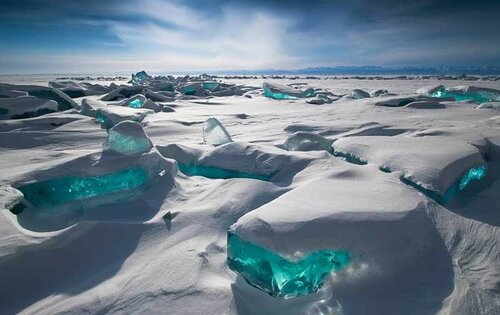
99	36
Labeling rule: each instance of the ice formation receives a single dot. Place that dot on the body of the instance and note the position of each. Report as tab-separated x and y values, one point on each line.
385	228
92	107
122	216
123	92
307	141
66	189
214	133
282	91
64	101
378	92
358	94
211	86
25	107
436	164
136	101
12	93
112	115
468	93
74	89
279	276
425	105
489	105
140	77
128	138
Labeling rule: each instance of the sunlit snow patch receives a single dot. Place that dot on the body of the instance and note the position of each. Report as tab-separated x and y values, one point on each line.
279	276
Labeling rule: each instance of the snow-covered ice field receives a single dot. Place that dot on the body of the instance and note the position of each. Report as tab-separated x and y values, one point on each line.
135	219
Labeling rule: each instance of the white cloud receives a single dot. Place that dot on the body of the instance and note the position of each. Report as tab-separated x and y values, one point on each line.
234	40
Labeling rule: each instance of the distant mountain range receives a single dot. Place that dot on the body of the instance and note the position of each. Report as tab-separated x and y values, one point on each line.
373	70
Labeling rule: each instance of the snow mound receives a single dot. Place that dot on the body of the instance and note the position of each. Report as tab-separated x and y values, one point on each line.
465	93
379	222
123	92
307	141
12	93
429	90
214	133
378	92
112	115
136	101
91	107
25	107
128	138
74	89
58	197
64	101
425	105
489	105
359	94
433	163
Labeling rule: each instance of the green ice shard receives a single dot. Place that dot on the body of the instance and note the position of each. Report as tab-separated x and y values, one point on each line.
277	95
57	191
217	173
278	276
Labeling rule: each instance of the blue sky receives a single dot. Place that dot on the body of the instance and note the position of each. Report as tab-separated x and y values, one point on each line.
86	36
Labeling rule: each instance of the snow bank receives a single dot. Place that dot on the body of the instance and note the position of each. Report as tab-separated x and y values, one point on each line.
434	163
25	107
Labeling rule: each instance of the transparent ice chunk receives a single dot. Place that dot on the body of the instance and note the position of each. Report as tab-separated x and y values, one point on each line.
359	94
128	138
214	132
307	141
211	86
279	276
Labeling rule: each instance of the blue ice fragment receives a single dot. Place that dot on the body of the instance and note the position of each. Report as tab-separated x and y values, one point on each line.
476	173
476	95
61	190
277	95
137	103
279	276
210	85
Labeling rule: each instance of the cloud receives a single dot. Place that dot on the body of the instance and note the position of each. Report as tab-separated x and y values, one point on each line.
243	34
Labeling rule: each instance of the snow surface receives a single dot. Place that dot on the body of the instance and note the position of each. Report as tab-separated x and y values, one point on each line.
162	248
